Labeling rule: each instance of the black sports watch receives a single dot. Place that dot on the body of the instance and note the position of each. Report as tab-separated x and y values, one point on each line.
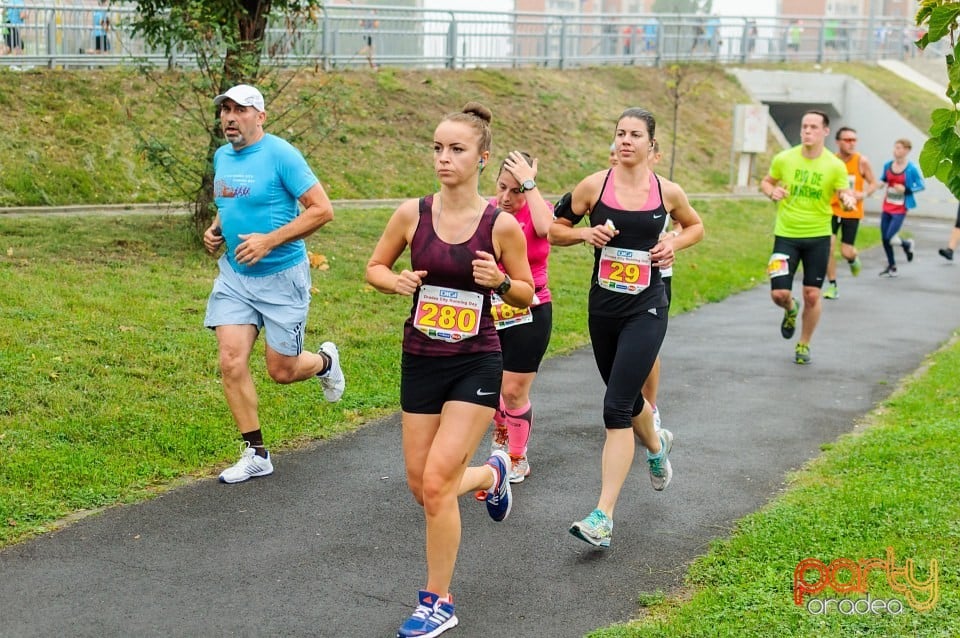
504	287
527	185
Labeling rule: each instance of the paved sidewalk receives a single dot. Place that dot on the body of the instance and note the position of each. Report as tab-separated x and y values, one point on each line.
332	544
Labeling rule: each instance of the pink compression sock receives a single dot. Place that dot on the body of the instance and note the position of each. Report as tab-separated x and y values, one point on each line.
519	422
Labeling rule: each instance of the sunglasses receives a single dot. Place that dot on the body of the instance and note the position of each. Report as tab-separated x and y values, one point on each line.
848	139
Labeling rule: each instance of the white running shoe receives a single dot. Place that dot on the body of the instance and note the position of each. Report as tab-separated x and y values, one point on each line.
519	468
333	381
659	466
249	466
656	419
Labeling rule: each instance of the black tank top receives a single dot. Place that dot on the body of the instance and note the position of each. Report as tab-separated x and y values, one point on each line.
639	230
450	266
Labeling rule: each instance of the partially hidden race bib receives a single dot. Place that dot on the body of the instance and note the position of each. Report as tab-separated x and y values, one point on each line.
507	316
448	314
624	270
896	197
778	265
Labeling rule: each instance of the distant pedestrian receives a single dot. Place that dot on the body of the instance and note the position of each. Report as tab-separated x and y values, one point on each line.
903	180
862	184
101	28
452	368
370	24
627	206
14	16
752	34
803	180
264	282
947	253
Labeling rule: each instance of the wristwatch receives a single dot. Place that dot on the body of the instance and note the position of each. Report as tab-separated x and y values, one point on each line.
527	185
503	287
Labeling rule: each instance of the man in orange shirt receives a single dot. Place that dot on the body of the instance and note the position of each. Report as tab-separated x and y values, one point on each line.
862	184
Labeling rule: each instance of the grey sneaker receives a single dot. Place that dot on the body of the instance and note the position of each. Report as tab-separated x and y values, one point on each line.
660	470
332	380
249	466
595	529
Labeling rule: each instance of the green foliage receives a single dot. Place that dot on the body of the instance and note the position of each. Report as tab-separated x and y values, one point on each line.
940	155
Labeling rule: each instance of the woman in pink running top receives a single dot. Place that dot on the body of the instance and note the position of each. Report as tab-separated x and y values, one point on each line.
451	368
627	205
524	334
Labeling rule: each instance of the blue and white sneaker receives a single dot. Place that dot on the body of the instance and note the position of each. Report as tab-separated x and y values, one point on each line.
432	617
499	499
596	529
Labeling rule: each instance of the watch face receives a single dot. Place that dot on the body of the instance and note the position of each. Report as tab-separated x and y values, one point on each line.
529	185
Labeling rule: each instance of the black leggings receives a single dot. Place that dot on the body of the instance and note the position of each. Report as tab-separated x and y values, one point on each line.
625	350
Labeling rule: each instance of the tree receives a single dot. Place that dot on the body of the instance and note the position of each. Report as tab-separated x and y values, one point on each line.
227	41
940	156
682	6
683	82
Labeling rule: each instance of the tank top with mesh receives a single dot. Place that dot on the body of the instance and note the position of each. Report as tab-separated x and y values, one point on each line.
450	266
639	230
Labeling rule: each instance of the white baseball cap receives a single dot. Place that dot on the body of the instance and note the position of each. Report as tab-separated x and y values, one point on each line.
242	94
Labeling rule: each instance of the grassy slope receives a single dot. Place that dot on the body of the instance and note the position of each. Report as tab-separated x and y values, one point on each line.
74	137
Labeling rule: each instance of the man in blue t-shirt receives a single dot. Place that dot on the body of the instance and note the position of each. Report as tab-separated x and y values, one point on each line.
260	183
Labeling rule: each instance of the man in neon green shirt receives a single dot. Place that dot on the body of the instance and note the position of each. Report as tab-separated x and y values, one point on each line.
802	180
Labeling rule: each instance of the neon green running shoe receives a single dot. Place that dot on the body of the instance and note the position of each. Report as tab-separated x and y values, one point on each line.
855	266
831	292
802	354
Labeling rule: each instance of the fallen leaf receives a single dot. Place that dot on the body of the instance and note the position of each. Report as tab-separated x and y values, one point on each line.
317	260
10	251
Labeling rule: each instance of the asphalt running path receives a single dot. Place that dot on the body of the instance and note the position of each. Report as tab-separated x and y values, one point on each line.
332	544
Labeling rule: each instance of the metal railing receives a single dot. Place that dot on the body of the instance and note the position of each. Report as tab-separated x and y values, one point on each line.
351	36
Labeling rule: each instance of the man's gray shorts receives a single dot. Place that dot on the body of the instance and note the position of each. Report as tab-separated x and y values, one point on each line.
277	302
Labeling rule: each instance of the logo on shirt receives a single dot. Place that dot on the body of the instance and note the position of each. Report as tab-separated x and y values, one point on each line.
223	189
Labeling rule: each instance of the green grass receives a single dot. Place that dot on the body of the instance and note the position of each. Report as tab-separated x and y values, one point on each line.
891	483
110	384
